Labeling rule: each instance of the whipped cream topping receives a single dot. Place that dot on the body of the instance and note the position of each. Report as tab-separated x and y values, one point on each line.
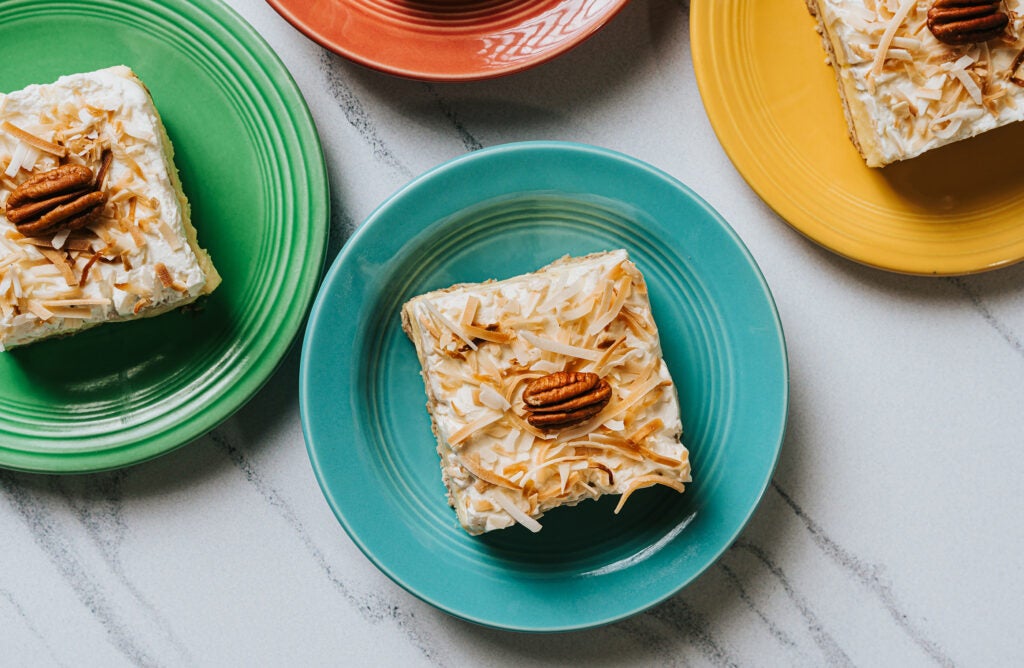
135	259
918	92
480	344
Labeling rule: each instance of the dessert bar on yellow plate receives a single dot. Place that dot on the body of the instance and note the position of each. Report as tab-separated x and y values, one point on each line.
953	210
95	226
547	389
915	75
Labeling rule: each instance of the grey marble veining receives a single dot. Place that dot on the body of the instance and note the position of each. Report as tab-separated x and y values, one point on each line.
889	535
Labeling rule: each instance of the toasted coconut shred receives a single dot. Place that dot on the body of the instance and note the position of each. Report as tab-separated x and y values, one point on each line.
587	313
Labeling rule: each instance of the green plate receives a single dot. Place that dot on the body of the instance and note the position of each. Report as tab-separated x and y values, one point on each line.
252	167
497	213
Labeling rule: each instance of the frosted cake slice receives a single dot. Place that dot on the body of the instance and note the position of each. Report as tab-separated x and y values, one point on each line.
547	389
914	75
94	226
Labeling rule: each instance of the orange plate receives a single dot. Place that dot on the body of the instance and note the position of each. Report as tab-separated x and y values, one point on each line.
773	103
448	40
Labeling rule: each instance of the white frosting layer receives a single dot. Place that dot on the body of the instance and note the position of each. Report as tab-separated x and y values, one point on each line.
907	92
142	224
598	307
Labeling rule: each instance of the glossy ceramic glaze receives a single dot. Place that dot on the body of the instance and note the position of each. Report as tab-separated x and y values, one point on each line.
252	168
448	40
777	112
500	212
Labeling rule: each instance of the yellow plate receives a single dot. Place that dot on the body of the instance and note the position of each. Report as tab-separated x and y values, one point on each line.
774	105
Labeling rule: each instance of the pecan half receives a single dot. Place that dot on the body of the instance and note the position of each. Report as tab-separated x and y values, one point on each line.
565	398
65	197
966	21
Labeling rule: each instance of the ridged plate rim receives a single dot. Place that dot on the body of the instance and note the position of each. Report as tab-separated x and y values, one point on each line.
470	45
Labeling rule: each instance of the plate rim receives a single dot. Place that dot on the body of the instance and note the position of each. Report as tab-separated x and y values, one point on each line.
350	250
283	8
202	419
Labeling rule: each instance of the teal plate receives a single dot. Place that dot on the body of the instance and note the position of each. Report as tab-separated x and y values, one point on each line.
252	167
500	212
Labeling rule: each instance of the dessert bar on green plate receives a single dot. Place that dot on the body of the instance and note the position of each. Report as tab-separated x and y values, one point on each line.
252	168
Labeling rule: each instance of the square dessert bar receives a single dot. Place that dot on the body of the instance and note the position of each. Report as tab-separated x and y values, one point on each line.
95	227
914	75
547	389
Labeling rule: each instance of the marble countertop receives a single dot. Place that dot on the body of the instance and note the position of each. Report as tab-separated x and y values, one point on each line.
888	536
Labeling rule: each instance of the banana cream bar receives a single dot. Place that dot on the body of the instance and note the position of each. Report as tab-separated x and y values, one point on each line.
95	227
547	389
914	75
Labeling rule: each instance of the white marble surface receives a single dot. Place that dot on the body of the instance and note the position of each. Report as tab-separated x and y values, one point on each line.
891	533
